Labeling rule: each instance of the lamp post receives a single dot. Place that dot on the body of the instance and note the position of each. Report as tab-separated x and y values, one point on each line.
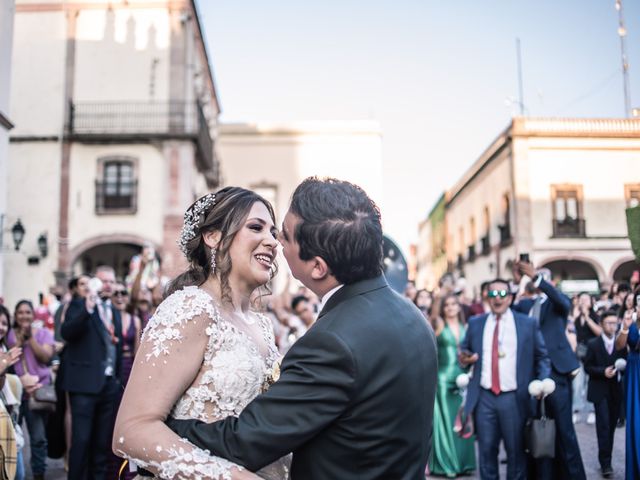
17	232
42	245
622	33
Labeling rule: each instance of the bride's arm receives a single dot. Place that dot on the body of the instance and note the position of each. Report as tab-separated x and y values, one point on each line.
169	359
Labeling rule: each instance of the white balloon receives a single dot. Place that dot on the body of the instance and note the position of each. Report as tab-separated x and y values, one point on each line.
535	388
462	380
620	364
548	386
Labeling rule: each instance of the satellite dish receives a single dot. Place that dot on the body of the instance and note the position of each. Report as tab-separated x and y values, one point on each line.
395	266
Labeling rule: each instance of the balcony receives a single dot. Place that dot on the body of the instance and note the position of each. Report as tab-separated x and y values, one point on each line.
471	253
135	122
505	234
116	197
569	228
485	245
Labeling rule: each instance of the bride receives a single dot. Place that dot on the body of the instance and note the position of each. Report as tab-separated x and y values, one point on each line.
205	354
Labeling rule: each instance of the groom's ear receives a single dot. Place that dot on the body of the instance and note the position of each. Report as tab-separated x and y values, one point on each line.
211	239
320	269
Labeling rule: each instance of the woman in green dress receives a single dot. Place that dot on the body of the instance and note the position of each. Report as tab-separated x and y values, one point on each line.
451	455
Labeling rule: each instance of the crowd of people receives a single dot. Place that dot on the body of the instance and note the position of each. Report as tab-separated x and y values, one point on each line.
587	344
57	385
50	345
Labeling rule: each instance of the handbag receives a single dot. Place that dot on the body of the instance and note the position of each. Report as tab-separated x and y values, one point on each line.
43	399
540	436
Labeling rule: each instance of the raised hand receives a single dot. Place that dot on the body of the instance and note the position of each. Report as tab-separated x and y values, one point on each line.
9	358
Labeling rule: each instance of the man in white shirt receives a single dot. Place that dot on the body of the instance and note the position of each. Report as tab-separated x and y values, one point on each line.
509	352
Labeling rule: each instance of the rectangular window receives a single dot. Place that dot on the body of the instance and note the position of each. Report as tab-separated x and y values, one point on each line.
116	192
632	194
568	220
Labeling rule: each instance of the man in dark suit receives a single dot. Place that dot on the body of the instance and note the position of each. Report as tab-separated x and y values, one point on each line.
551	309
355	396
605	389
507	352
92	330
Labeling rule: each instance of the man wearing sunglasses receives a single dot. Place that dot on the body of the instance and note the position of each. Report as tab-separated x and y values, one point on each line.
507	352
551	309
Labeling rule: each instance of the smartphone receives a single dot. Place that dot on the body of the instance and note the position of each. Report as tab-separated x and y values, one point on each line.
637	299
524	257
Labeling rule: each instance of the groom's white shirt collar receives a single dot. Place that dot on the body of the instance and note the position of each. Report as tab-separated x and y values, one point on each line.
327	296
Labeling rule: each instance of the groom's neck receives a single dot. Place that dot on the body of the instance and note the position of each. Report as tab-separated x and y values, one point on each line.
325	287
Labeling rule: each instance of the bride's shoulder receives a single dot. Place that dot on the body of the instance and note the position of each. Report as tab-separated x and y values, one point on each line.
186	303
178	310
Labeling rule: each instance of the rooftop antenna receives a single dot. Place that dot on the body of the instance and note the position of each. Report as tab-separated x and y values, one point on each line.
622	33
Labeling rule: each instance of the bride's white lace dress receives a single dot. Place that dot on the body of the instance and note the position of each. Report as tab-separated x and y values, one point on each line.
193	364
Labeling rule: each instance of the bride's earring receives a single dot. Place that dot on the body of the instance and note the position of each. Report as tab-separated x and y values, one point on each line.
213	260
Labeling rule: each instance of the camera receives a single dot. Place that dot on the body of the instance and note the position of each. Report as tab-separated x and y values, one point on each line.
524	257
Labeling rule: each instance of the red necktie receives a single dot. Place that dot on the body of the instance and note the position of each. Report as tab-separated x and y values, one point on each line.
495	370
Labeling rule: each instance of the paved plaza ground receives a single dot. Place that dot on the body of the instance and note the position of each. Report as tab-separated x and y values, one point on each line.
586	436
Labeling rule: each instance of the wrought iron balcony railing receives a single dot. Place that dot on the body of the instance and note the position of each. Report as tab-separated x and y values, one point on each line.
145	121
116	197
471	253
505	234
569	228
485	243
118	118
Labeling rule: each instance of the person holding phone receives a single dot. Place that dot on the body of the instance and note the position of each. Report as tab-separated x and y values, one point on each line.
551	309
92	331
629	336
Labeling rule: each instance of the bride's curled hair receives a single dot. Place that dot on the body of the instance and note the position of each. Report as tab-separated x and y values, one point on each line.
227	215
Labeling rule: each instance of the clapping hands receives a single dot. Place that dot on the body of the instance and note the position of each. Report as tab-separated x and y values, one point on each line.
7	359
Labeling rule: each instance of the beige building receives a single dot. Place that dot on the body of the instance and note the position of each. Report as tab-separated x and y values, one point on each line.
116	112
431	249
273	159
7	9
555	189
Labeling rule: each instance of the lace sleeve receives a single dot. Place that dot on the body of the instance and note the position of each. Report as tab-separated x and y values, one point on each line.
169	359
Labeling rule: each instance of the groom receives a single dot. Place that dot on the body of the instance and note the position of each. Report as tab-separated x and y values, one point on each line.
356	392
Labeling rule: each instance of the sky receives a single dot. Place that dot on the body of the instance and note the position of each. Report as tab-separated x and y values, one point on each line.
439	76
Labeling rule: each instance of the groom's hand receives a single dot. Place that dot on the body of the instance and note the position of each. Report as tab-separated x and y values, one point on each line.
182	427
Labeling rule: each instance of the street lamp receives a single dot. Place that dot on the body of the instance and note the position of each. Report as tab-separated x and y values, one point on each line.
42	245
17	232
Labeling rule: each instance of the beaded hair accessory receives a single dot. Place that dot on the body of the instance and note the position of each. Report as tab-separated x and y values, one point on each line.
191	220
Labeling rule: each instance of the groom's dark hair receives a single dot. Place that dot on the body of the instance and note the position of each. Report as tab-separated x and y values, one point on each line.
340	224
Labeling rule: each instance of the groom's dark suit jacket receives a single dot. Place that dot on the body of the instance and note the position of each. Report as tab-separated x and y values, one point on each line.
354	399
